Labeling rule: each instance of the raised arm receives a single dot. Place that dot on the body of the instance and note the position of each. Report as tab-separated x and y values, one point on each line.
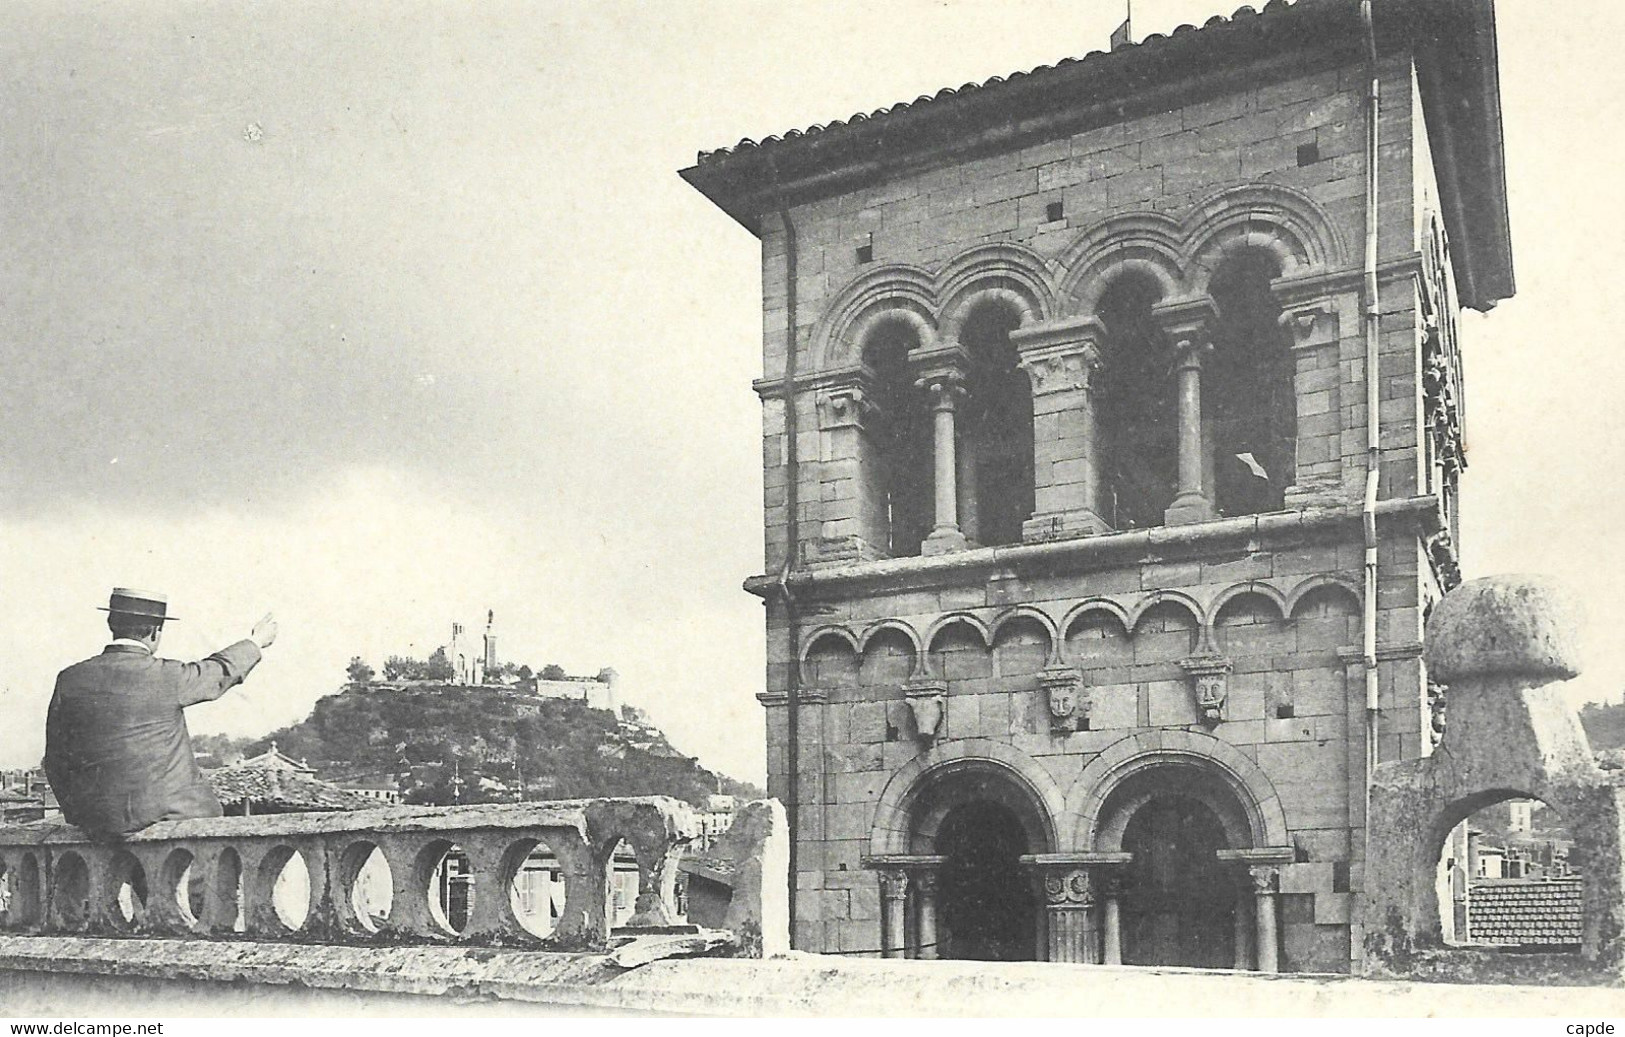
211	678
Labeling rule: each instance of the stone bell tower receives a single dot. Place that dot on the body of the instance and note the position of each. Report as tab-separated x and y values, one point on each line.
1111	429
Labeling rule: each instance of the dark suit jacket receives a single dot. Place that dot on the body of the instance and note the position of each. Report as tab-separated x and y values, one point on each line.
117	749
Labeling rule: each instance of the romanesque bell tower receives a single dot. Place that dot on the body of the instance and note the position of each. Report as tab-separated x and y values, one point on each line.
1112	427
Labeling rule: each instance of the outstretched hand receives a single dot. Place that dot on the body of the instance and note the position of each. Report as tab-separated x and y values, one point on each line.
264	632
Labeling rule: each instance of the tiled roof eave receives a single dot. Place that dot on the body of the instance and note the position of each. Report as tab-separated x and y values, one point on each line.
752	178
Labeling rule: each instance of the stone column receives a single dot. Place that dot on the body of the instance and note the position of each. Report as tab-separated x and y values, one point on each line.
1069	900
893	894
1186	324
1063	363
965	457
925	913
945	388
1266	881
1112	921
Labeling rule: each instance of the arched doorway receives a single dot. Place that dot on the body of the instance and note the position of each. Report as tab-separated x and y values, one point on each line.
988	911
1182	903
969	824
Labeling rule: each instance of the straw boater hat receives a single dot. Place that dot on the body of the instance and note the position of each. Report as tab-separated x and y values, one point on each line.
127	602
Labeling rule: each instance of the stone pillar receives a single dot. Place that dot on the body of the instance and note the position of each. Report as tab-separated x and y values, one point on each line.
1314	322
893	894
1186	323
946	388
856	526
925	913
1266	881
1063	364
1069	900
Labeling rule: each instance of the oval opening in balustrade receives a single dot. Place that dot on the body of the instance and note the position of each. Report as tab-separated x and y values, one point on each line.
183	879
535	880
285	874
447	880
368	887
128	884
70	891
19	892
623	884
226	882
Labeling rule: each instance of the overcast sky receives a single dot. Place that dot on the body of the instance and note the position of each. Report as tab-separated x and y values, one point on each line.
380	315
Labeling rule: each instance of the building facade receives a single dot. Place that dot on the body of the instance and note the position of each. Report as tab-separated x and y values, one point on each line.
1111	435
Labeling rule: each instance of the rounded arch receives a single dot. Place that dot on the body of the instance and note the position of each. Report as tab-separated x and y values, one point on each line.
1255	587
1088	605
896	625
1145	243
1332	584
1014	276
1287	224
838	633
1261	807
969	619
1168	597
894	292
1030	613
894	821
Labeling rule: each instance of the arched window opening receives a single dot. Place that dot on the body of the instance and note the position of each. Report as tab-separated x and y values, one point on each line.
995	432
1139	425
1508	878
1248	401
898	477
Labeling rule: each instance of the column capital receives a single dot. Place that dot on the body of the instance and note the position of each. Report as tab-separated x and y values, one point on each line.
1187	321
847	401
1061	368
926	881
1060	355
893	883
1312	324
1266	878
945	386
1068	888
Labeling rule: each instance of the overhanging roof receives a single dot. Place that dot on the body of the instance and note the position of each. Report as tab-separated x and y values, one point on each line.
1454	42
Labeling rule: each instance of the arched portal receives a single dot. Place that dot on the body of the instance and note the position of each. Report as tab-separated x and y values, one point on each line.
979	823
953	836
1185	897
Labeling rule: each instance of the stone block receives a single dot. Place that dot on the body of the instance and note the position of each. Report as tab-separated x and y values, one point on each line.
1171	703
1114	707
1310	877
1333	908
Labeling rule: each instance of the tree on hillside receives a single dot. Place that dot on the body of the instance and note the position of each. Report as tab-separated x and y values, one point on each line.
358	671
402	668
553	672
438	668
524	673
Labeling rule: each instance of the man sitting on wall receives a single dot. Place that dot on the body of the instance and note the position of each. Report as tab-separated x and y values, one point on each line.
117	750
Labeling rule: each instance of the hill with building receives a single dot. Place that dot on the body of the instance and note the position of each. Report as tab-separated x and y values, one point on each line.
441	743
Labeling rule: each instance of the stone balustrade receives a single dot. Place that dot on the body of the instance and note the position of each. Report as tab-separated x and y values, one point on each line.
218	877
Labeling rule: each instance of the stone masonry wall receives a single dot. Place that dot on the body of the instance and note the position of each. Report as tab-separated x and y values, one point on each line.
1283	605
